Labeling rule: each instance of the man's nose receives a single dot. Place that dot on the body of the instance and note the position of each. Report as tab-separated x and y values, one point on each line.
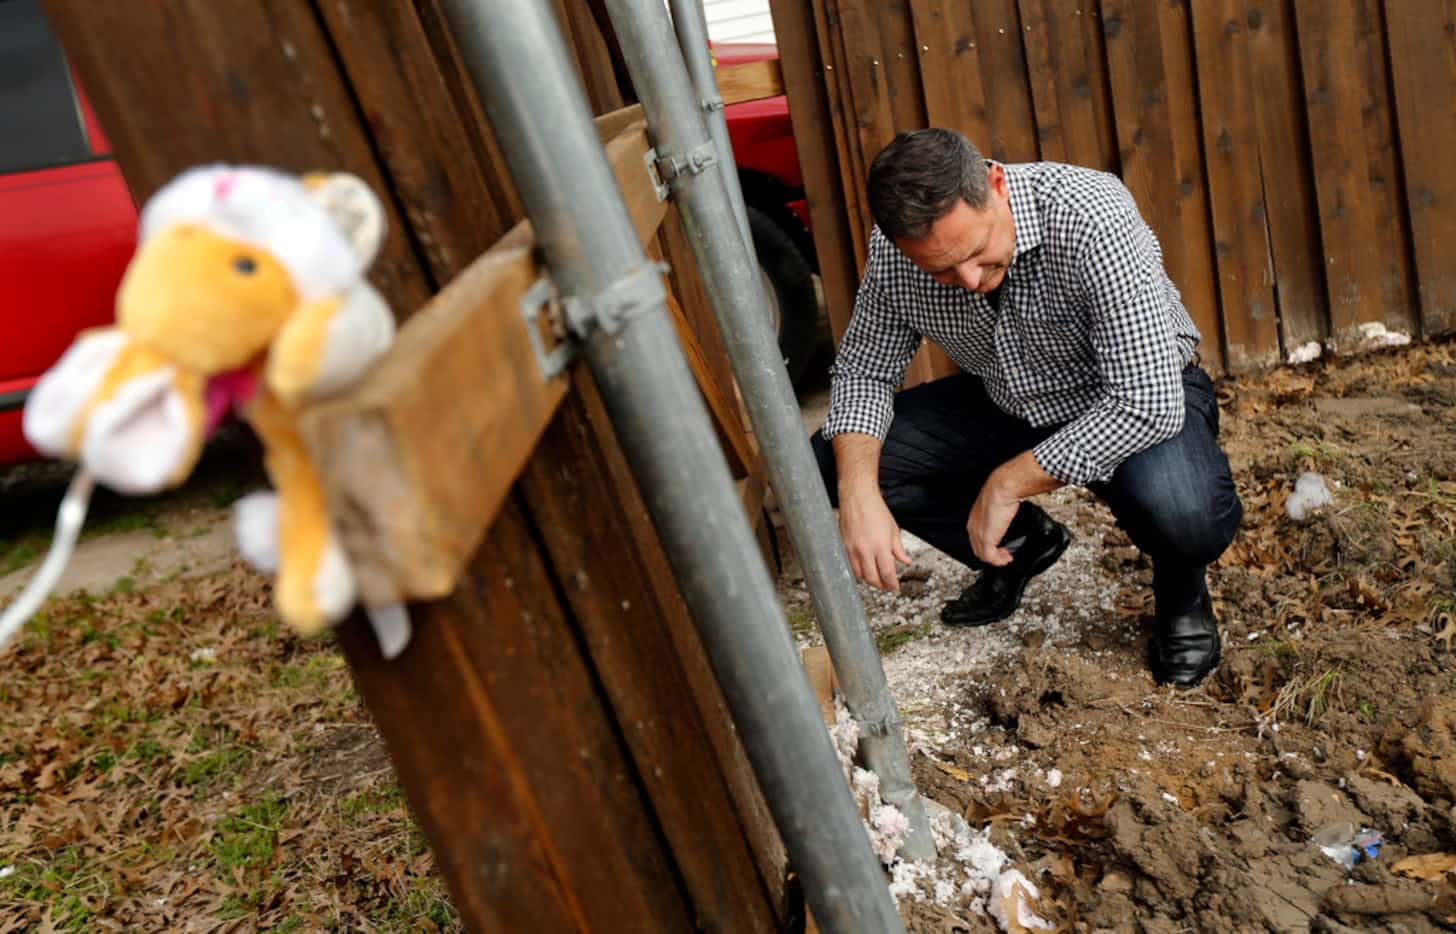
970	275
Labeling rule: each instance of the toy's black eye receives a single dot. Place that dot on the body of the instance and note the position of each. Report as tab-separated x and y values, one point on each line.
245	265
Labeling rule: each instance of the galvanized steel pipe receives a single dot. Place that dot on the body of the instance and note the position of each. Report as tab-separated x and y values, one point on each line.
691	25
520	68
731	277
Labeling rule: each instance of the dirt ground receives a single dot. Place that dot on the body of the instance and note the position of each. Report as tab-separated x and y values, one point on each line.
170	759
1134	808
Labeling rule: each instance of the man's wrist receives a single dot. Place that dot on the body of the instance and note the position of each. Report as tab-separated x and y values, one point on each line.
1001	485
854	488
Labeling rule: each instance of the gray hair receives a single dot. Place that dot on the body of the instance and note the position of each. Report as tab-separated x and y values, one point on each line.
919	177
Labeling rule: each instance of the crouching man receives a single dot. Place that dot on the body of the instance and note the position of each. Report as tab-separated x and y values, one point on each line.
1046	287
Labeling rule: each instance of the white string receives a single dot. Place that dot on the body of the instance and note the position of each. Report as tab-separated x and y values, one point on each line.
68	528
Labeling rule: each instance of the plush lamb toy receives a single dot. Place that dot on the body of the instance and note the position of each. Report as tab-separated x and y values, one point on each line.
247	293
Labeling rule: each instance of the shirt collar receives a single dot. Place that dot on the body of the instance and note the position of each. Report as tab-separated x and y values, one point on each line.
1023	208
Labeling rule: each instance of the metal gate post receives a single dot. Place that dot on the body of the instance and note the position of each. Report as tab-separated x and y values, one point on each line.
518	62
735	289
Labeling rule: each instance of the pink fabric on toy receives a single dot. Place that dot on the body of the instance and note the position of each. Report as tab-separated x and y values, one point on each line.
229	392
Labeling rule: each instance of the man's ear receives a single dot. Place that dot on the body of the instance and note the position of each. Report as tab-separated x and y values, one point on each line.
996	180
354	207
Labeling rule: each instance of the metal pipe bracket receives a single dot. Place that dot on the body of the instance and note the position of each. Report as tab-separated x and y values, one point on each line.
697	161
880	727
541	299
711	104
610	309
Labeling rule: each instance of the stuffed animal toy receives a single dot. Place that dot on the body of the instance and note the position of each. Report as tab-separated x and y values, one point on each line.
247	294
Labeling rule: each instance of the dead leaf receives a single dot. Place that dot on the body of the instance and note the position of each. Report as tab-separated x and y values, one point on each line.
958	774
1447	631
1429	866
1018	902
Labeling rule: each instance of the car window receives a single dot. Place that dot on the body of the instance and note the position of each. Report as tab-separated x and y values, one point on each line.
41	123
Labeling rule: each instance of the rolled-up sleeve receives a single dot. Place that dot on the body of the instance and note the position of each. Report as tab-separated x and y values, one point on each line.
876	348
1137	358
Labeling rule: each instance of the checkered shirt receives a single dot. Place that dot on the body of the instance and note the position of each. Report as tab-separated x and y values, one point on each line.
1091	334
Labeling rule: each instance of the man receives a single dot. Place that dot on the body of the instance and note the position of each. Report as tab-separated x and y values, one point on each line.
1046	287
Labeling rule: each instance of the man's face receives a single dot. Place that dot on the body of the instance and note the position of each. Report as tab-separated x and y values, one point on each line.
968	247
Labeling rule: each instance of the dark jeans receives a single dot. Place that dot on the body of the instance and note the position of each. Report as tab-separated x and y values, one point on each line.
1176	499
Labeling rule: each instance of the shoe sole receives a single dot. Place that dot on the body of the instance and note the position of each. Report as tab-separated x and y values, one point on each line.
1042	563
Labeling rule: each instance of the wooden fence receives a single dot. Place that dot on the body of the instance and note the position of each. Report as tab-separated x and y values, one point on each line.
1293	156
555	724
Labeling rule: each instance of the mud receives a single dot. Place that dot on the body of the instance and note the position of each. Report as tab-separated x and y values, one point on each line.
1136	808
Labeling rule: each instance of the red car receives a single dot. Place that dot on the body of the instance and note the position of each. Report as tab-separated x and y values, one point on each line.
68	223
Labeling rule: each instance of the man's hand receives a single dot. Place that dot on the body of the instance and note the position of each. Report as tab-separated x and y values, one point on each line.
870	534
998	501
990	518
872	540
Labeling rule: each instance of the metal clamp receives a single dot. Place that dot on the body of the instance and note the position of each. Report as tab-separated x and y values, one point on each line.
697	161
882	727
638	291
649	159
542	295
711	104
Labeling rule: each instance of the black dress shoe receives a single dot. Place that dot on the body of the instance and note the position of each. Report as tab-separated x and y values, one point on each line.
996	593
1185	648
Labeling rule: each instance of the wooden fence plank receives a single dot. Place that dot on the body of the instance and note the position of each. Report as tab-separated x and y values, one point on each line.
1068	77
1353	260
950	68
853	163
1386	183
289	109
1423	58
1292	212
732	758
866	76
436	27
900	63
1003	58
814	136
1241	245
1154	101
634	655
494	692
974	69
419	135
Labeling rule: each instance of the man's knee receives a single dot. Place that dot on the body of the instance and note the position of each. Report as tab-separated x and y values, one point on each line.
1186	526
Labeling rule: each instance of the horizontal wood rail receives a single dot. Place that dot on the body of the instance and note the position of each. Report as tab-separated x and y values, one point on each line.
418	469
749	81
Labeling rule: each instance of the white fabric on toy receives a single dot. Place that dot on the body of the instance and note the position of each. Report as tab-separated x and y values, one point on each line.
267	209
360	331
136	440
56	402
255	527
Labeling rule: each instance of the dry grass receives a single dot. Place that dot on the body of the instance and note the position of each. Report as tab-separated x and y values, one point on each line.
173	760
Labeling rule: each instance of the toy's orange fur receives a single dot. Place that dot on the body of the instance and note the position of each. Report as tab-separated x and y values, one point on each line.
185	297
303	527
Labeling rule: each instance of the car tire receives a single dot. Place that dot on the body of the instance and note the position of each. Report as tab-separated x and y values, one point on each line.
793	300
